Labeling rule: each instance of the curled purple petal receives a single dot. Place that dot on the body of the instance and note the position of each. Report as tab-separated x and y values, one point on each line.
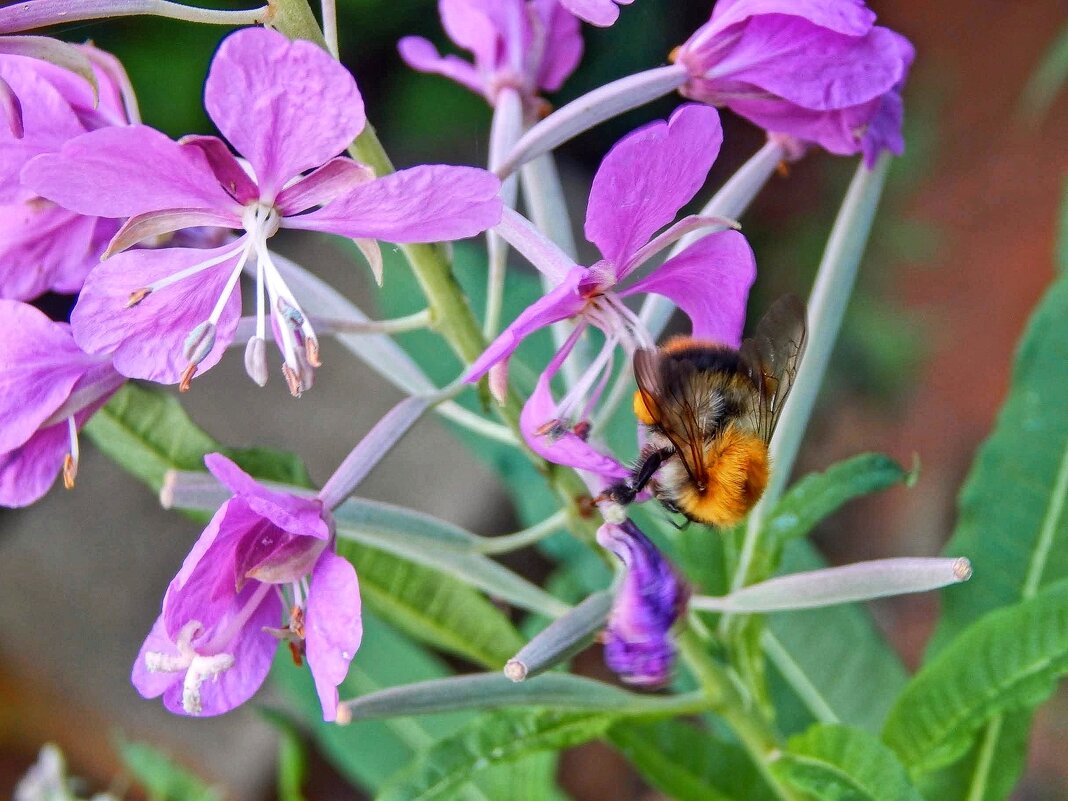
596	12
650	600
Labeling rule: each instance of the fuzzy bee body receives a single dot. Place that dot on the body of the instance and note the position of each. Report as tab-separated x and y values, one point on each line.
709	412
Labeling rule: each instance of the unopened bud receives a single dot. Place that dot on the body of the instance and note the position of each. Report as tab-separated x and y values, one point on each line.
256	360
199	342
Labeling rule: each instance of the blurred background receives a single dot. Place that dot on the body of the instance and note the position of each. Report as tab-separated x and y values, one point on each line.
962	250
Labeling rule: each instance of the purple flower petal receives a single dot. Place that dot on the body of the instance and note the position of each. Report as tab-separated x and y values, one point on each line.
884	129
252	650
647	605
560	303
286	106
154	224
549	437
710	281
811	66
120	172
39	366
321	186
228	170
45	247
147	340
293	514
28	471
647	177
563	44
843	16
596	12
429	203
478	26
333	627
152	684
419	54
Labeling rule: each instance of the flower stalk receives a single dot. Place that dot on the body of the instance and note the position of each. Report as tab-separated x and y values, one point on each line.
40	13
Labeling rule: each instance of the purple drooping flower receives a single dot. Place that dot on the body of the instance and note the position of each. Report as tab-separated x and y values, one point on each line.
264	570
649	601
43	246
531	46
641	185
596	12
49	388
289	109
818	70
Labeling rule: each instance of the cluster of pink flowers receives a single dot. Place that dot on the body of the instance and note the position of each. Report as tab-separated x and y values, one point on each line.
153	236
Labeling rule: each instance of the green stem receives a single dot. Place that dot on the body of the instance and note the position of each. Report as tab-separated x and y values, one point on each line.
528	536
752	730
295	19
989	746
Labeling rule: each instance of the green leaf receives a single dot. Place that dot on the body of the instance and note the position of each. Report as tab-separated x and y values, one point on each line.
990	770
1009	660
818	495
494	690
830	659
425	540
432	606
489	740
147	433
1013	519
162	778
837	763
689	764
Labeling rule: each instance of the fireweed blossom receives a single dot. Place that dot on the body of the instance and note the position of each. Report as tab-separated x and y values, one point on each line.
530	46
650	599
49	388
643	182
289	108
44	246
263	571
818	71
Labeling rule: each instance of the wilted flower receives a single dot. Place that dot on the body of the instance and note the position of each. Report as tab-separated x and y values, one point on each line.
639	188
44	246
649	601
264	570
818	70
49	388
289	108
531	46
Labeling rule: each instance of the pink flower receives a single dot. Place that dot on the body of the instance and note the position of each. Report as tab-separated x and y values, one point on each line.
49	388
817	70
289	109
639	189
531	46
43	246
264	570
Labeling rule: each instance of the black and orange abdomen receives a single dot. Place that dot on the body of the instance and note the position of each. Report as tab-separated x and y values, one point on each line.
736	462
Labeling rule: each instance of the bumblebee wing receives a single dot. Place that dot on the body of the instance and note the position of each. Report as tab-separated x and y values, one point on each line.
771	358
670	393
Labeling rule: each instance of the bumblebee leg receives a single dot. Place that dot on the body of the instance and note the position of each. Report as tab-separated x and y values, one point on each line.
647	466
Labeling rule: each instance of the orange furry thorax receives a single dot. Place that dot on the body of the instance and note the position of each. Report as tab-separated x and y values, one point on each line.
736	464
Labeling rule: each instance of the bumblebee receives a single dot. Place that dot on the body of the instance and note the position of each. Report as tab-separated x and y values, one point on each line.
709	412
